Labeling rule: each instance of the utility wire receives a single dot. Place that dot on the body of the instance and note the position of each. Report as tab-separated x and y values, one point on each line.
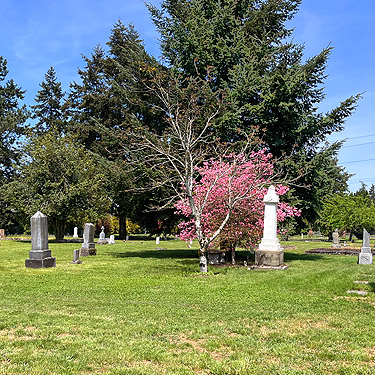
356	161
359	144
361	136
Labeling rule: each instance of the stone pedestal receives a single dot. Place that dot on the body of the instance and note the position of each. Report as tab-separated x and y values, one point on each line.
88	246
270	252
40	255
269	258
365	256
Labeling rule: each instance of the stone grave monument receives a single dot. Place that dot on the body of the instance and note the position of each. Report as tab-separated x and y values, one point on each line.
270	252
40	255
76	257
75	233
88	246
336	239
111	240
102	240
2	234
365	256
157	241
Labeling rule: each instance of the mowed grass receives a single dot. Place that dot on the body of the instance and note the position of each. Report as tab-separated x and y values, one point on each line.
138	309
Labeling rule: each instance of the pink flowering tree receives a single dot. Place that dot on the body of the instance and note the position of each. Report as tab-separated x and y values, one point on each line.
226	204
186	158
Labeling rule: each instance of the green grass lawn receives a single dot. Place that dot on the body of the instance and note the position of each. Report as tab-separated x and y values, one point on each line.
136	309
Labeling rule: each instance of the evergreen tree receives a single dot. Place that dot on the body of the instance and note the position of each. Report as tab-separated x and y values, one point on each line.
248	51
12	126
12	119
48	110
106	105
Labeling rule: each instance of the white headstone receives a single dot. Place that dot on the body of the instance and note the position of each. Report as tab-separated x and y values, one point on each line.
157	240
365	256
75	234
102	240
111	240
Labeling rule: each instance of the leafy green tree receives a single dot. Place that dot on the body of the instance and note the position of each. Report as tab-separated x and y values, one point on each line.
60	178
12	126
350	212
323	177
248	49
49	108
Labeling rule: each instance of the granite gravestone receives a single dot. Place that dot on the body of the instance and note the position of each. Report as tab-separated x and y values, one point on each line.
102	240
336	239
2	234
40	255
111	240
270	252
76	257
88	246
365	256
75	234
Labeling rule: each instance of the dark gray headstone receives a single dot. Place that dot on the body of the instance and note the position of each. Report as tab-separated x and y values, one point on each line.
40	255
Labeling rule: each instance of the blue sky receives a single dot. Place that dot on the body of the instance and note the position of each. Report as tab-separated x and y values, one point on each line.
38	34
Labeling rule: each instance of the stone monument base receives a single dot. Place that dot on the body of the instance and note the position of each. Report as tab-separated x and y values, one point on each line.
365	258
40	263
269	258
84	252
102	242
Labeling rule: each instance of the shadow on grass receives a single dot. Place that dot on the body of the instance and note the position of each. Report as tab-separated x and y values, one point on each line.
158	254
295	256
372	287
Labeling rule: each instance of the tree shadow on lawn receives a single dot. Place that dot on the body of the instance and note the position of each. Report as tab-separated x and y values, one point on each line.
158	254
296	256
372	287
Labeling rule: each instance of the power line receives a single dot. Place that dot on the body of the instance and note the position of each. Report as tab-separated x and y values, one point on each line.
356	161
359	144
361	136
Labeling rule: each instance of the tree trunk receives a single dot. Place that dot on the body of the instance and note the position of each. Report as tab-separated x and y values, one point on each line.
203	261
122	226
233	250
59	227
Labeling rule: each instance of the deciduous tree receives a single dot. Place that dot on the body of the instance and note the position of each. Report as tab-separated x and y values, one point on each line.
60	178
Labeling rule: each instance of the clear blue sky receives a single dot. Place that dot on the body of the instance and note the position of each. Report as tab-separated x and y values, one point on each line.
38	34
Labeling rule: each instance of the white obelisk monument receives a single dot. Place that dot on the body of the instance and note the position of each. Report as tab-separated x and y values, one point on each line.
270	252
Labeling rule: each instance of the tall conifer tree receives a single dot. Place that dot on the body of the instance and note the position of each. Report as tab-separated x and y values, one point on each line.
247	48
12	126
49	108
